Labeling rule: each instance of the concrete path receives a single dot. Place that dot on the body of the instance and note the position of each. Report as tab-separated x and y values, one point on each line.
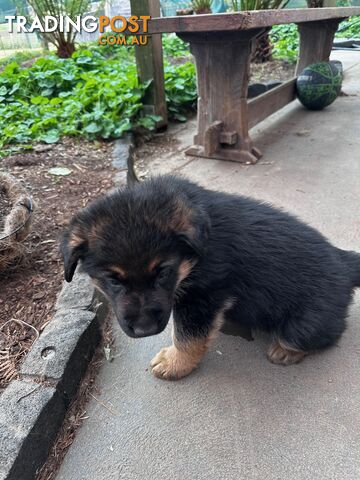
238	417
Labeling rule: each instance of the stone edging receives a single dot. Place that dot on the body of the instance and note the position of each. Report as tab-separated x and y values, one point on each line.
33	407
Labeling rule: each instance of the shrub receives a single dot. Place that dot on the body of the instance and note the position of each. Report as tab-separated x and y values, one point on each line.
95	93
87	94
64	42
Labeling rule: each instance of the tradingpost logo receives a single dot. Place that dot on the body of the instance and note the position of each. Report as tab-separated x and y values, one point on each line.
88	24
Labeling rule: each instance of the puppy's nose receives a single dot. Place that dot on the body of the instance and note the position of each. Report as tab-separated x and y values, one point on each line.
144	332
131	319
139	331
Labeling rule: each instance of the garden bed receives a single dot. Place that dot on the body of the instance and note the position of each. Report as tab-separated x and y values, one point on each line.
29	290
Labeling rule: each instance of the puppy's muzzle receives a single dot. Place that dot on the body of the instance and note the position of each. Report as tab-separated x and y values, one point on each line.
151	322
139	331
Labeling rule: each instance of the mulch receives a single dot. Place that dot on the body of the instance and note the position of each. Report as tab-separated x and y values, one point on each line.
29	288
276	70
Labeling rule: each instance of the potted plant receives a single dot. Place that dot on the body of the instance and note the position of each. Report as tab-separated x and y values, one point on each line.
201	6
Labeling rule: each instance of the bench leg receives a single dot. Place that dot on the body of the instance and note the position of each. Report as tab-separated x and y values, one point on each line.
316	40
222	64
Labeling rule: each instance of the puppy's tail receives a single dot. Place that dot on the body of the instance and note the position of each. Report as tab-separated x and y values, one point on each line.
352	261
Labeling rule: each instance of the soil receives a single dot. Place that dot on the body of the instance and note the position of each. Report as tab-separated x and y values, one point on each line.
29	289
276	70
159	146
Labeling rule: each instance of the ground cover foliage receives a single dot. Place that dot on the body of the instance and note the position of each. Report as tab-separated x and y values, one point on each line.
95	93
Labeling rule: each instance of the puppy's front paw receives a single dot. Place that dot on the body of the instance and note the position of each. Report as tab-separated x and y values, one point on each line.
171	364
281	355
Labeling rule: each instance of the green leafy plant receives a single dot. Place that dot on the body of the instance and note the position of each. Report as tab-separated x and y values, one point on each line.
95	93
180	89
19	57
236	5
260	4
174	47
285	38
285	41
87	94
201	6
349	28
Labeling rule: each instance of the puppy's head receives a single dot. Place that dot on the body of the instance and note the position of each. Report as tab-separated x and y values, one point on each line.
138	245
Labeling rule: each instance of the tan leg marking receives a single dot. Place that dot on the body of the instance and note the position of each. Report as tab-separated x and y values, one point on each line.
181	358
177	361
284	355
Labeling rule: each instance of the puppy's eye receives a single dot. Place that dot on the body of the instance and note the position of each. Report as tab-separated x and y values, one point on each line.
115	282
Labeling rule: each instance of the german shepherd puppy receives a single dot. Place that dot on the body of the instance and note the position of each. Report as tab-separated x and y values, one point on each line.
169	245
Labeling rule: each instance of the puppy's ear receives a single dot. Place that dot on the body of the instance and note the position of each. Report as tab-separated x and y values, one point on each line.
73	246
192	225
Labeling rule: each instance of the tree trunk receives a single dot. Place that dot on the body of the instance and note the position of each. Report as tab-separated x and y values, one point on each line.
315	3
263	49
65	49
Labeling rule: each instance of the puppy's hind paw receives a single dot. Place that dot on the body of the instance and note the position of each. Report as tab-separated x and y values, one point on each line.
171	364
280	355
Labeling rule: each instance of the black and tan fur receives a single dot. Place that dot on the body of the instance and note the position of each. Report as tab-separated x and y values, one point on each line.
168	245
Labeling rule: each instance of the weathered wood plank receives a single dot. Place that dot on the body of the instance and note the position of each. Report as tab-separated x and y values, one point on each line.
149	63
246	20
212	138
222	65
316	40
270	102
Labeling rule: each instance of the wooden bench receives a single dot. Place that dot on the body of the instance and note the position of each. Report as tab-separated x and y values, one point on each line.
221	45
